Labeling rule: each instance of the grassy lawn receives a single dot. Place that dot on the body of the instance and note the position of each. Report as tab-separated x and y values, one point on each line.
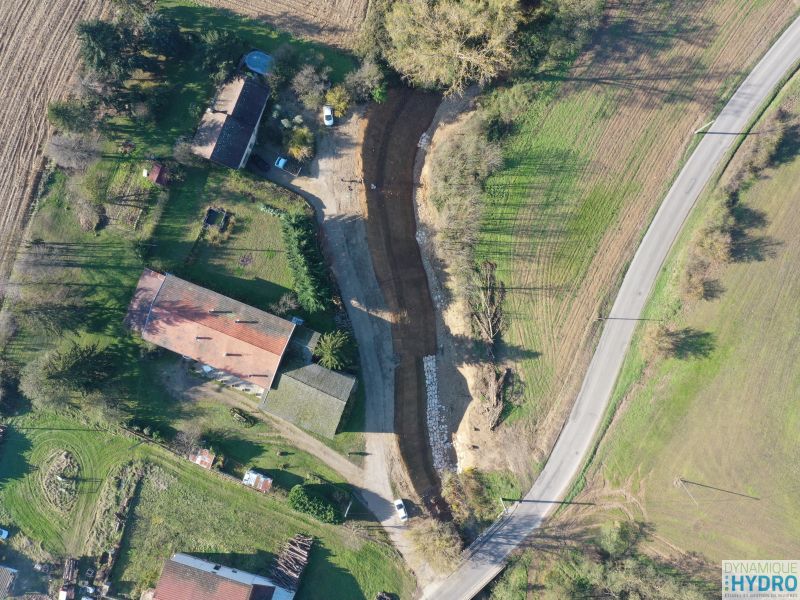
233	525
586	165
727	422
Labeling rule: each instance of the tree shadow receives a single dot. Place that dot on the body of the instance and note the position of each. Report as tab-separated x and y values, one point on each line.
322	568
712	289
745	246
14	465
690	343
788	147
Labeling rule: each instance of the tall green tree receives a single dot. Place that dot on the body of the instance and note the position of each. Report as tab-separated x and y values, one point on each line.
332	350
450	44
162	35
107	48
56	376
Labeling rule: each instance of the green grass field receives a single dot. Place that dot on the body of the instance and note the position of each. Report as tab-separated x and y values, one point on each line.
586	165
180	508
727	423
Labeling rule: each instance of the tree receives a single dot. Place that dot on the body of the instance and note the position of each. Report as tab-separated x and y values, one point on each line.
300	145
310	84
106	48
73	151
332	350
219	48
162	35
70	115
57	375
364	82
451	43
486	304
338	99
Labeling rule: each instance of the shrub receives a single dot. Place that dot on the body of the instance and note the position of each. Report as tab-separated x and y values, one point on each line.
300	143
309	271
437	543
338	99
319	508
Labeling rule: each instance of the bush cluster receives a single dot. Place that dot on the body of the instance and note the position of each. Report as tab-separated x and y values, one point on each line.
309	273
319	508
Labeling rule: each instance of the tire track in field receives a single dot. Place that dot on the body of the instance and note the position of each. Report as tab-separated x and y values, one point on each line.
38	51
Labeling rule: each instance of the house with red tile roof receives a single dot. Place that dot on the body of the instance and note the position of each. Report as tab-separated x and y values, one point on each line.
185	577
242	347
244	342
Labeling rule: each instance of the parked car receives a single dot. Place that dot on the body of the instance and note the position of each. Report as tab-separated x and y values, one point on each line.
3	535
327	115
401	509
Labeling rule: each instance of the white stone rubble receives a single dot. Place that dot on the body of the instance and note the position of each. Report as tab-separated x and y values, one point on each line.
437	424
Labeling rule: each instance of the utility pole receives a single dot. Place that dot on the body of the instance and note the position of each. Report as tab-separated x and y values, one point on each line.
686	489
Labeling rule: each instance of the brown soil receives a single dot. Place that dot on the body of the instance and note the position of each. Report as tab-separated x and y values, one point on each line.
331	22
390	146
38	51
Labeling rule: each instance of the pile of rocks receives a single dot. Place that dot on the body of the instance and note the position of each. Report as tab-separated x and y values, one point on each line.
437	424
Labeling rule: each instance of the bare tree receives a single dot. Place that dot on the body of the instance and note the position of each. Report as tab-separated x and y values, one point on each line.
285	304
486	304
73	151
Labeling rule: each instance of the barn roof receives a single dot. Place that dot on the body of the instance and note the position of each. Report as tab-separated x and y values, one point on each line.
188	578
213	329
311	397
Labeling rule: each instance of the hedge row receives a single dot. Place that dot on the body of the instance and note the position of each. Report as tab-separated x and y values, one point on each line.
308	268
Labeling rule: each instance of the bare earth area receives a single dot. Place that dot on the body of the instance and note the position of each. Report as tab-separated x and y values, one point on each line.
331	22
39	55
390	147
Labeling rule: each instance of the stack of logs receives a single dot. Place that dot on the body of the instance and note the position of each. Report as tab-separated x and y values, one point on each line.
292	562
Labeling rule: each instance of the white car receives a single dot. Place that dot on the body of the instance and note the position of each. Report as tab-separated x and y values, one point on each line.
327	115
3	535
401	510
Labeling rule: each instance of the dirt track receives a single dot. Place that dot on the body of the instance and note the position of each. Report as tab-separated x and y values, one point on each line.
390	145
332	22
38	52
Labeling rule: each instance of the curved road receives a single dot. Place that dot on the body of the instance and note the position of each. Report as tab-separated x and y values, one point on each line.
488	554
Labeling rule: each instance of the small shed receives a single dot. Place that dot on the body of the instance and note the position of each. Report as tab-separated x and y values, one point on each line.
203	457
158	174
256	480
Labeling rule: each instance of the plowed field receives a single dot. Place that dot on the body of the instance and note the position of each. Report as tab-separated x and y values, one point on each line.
38	55
332	22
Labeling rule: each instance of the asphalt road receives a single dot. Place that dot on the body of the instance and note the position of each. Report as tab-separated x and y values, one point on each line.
489	553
